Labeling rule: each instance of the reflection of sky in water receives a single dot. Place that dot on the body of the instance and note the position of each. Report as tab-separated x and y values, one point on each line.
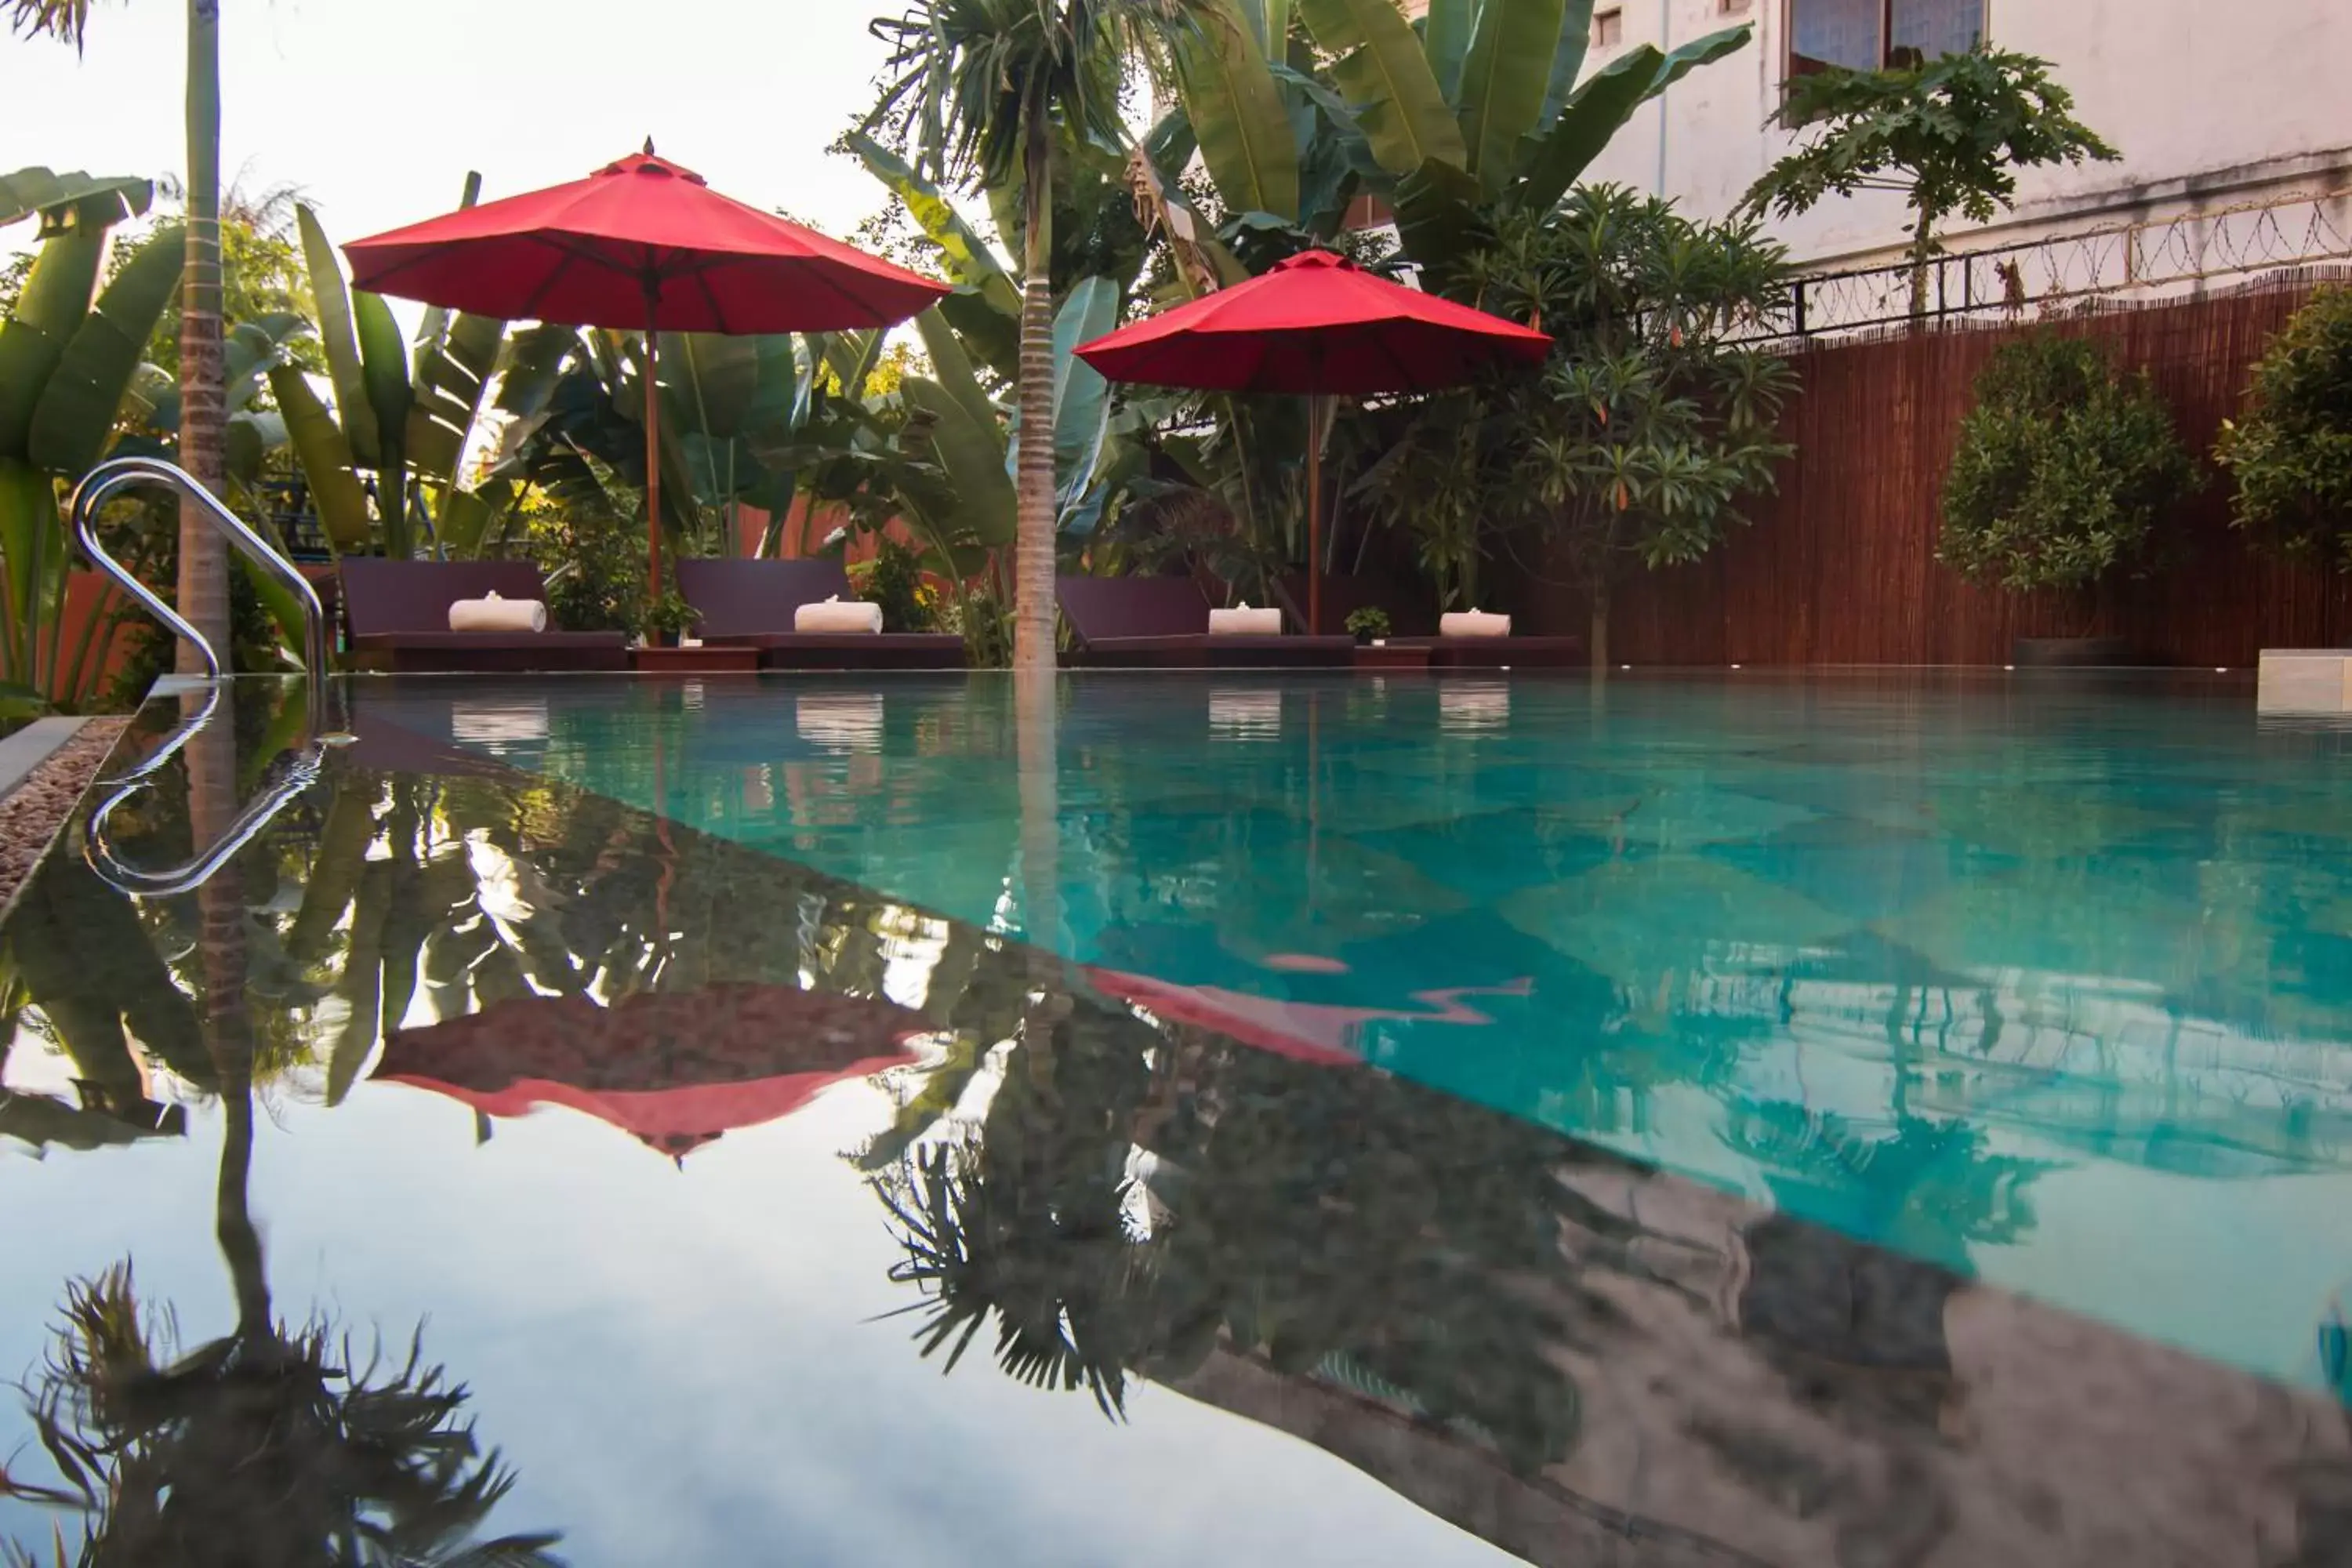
685	1366
2047	981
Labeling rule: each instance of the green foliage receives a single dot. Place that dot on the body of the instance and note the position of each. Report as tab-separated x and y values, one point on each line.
894	580
1647	429
593	558
2291	454
1950	134
1367	624
68	364
2064	468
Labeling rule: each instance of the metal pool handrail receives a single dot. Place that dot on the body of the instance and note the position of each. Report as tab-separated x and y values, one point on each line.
110	479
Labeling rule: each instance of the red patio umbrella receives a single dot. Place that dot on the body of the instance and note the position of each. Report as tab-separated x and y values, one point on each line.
1316	326
674	1071
640	243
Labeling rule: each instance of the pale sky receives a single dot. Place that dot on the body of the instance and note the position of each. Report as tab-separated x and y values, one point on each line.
377	112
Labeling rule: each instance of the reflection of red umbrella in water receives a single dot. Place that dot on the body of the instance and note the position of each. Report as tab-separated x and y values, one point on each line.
1304	1031
641	244
1315	326
674	1071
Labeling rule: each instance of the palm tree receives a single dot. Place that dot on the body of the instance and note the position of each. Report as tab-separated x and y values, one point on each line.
982	89
204	409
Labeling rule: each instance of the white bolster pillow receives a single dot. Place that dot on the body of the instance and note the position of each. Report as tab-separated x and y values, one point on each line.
1244	622
497	614
838	615
1474	624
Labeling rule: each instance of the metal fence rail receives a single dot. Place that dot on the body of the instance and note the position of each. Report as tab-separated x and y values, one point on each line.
2046	276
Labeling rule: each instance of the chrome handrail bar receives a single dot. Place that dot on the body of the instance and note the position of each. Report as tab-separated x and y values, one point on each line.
109	479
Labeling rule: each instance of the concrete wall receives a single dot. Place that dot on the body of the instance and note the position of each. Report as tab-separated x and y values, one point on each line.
2212	104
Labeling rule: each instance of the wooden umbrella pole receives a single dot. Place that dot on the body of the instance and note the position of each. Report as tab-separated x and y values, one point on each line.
653	431
1315	517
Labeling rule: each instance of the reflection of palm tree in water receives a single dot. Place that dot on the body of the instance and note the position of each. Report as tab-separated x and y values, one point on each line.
266	1446
1333	1224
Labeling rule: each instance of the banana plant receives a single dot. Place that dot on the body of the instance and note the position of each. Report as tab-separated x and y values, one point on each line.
1475	106
68	355
383	460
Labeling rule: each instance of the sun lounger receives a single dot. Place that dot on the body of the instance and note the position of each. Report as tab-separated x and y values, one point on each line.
398	611
750	603
1163	623
1499	653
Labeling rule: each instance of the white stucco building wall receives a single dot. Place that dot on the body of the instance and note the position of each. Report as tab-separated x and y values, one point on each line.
2213	104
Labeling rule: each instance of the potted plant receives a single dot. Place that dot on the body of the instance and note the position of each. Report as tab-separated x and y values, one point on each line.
2064	469
666	619
1369	625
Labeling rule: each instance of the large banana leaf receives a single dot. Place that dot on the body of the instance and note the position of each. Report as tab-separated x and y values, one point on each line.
50	308
383	369
1380	65
1568	62
776	407
248	350
1445	39
969	260
536	358
970	453
1504	79
712	378
1437	215
1600	109
325	458
1245	136
452	377
1269	25
436	325
953	368
993	337
29	191
340	339
1081	396
78	408
31	532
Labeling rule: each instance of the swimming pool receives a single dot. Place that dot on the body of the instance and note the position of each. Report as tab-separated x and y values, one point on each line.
1811	1116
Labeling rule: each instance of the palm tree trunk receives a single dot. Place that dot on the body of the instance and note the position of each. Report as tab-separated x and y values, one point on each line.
1032	567
203	408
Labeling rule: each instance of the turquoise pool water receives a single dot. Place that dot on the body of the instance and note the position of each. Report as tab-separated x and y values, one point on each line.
2045	982
1310	1120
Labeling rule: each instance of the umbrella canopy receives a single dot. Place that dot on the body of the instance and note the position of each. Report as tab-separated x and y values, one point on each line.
640	243
674	1071
1316	326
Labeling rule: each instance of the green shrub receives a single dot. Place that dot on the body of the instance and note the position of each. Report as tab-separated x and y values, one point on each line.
894	580
2064	468
593	559
2292	454
1367	624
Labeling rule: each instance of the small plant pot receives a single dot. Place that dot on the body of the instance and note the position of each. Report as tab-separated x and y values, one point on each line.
2071	653
661	639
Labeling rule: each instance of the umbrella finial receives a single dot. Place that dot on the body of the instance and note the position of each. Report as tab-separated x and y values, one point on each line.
649	146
